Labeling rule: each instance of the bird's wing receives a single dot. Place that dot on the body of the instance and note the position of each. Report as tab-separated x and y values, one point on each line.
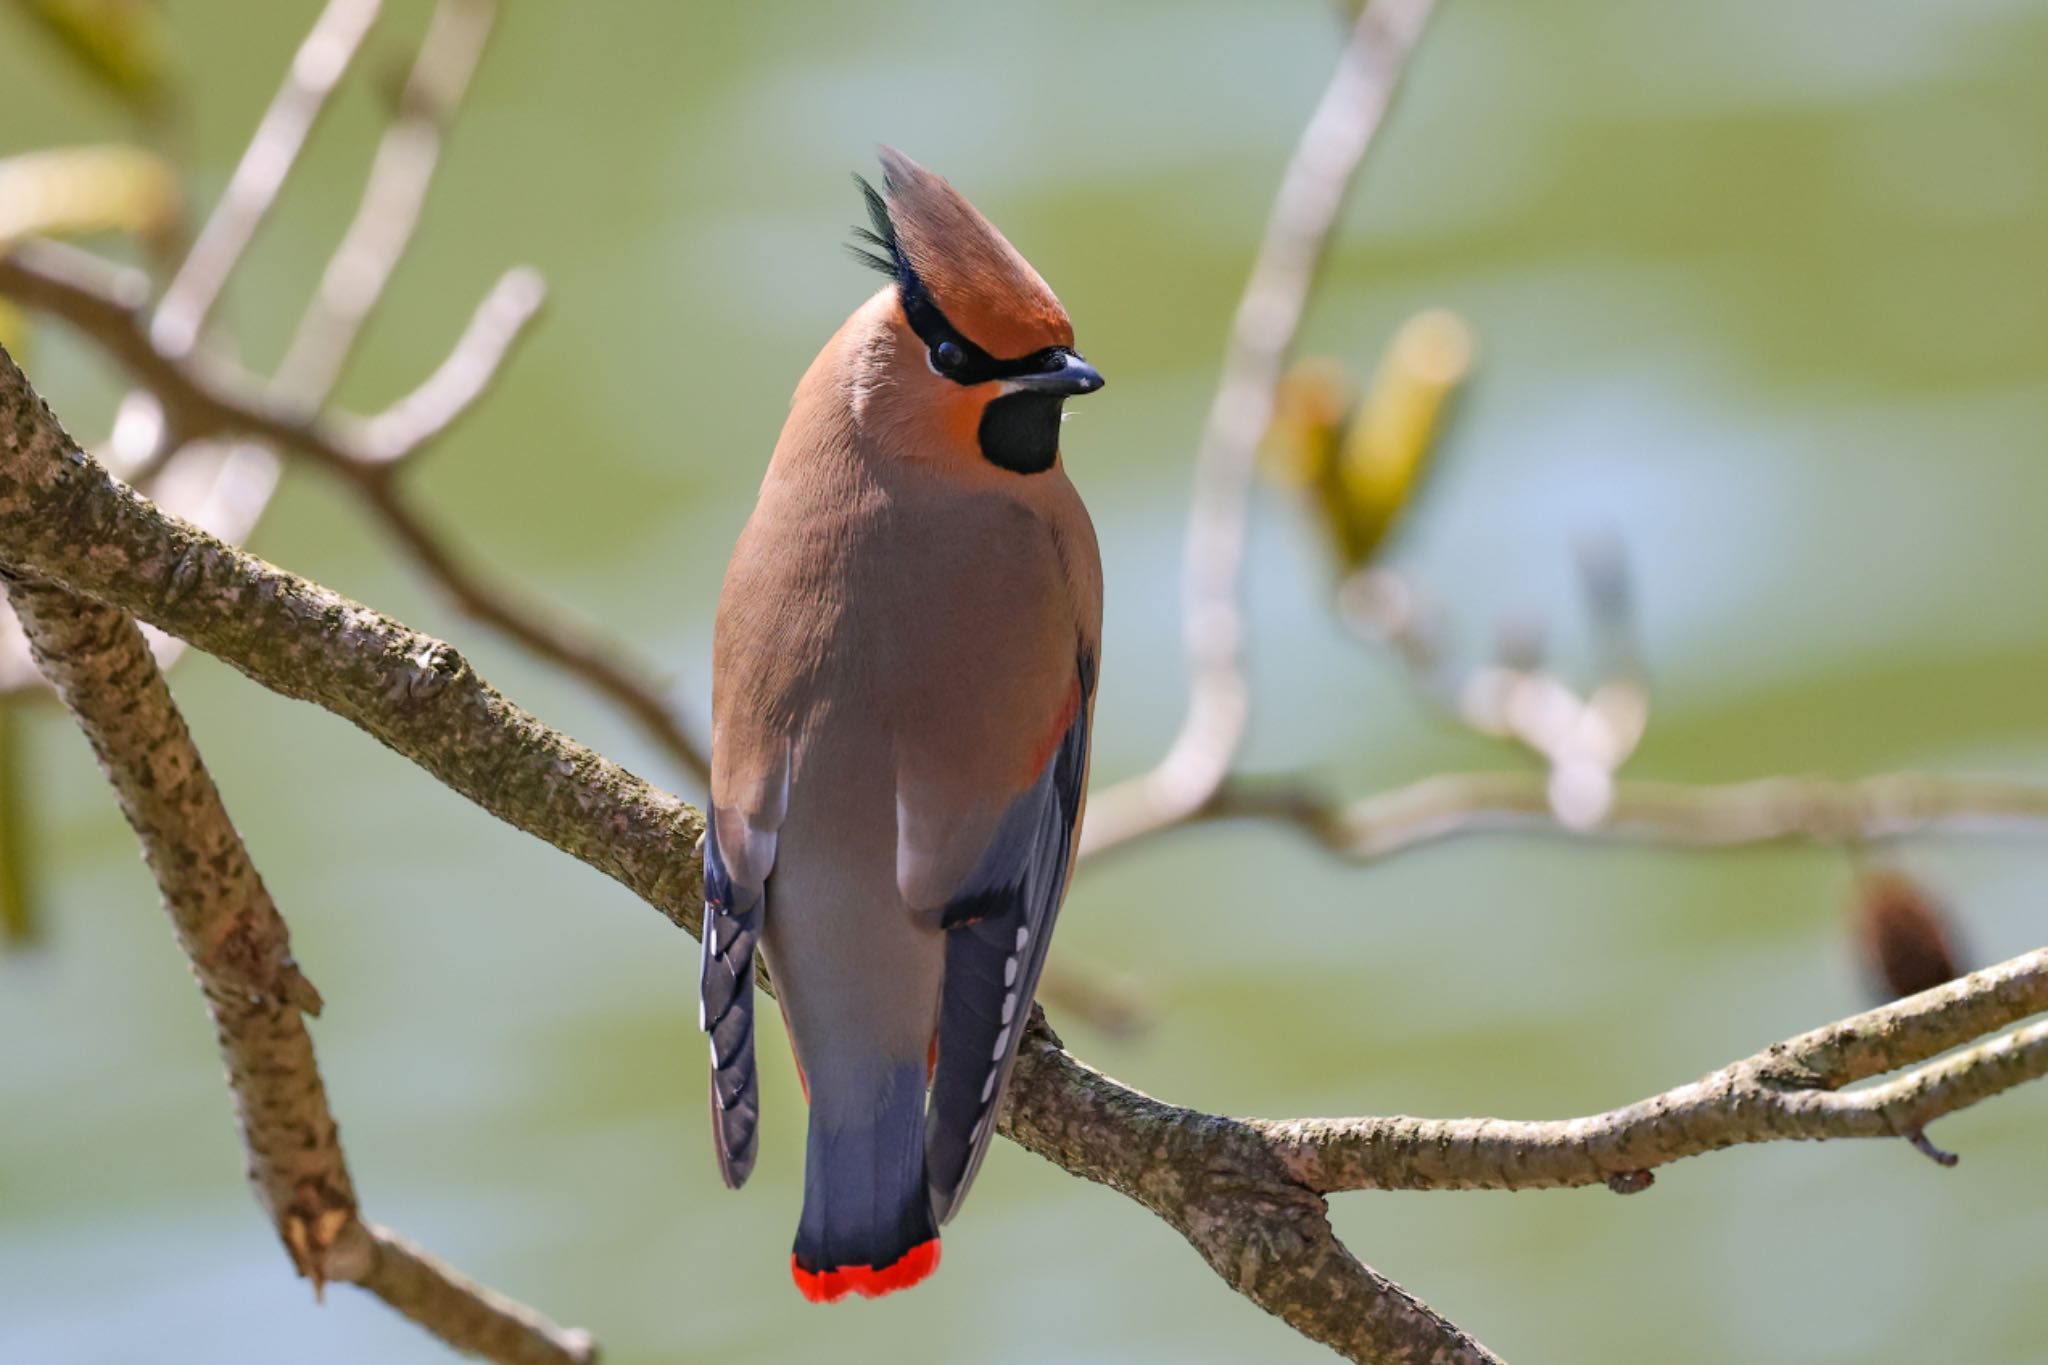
998	925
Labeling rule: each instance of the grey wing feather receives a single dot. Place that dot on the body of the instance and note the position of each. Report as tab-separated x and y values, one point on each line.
997	930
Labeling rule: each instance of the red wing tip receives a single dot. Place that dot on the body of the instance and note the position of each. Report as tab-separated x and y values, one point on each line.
830	1286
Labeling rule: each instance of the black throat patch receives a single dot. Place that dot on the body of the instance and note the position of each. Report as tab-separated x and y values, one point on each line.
1020	432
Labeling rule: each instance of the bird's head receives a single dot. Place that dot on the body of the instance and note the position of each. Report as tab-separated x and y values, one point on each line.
978	355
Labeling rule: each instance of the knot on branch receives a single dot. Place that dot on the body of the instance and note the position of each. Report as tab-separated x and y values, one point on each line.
188	572
253	960
1779	1069
429	673
322	1233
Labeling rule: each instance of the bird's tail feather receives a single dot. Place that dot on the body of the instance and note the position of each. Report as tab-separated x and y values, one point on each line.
732	927
867	1224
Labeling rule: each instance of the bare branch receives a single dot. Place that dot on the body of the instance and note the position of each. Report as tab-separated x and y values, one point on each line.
224	917
1214	1181
1791	1091
1312	193
202	393
240	952
468	1316
321	62
1768	810
1583	736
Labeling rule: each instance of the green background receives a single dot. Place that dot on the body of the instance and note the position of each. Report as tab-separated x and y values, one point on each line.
1758	286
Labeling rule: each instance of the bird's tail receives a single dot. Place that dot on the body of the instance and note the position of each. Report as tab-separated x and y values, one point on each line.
867	1223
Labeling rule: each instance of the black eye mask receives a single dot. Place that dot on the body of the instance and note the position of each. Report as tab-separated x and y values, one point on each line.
950	353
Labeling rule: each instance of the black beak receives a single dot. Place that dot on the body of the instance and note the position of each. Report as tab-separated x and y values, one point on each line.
1065	373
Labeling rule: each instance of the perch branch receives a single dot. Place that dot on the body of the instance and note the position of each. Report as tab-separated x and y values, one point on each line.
236	941
1305	211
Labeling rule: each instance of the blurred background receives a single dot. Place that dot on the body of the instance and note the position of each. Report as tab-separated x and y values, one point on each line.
1758	287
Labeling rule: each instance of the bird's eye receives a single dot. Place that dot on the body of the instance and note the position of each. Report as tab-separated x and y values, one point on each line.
1055	361
947	356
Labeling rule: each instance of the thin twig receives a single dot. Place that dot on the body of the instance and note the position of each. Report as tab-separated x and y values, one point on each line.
1305	212
1583	736
414	421
239	949
322	60
1767	810
394	195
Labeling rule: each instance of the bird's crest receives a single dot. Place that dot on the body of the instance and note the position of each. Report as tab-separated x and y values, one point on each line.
930	240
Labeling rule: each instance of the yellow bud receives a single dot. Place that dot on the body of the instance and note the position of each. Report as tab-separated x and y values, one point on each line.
1388	446
68	191
1308	413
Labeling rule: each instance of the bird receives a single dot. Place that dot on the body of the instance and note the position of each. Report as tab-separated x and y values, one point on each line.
904	671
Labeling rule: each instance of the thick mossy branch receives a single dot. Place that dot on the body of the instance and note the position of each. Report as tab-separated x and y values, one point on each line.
98	662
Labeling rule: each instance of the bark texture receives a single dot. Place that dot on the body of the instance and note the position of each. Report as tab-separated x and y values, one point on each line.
224	918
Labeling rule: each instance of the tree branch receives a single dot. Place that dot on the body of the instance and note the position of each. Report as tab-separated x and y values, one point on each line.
1725	815
1790	1091
1213	1180
63	517
236	941
468	1316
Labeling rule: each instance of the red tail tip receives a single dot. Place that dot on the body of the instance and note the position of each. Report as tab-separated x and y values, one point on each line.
829	1286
